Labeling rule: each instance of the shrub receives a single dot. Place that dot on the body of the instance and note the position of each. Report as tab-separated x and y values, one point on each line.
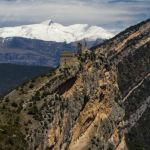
7	99
33	110
31	86
17	119
14	104
36	97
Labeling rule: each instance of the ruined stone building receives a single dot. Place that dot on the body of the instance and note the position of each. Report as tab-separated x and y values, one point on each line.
70	57
67	57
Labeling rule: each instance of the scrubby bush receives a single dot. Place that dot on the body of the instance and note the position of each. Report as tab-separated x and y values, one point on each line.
31	86
33	110
14	104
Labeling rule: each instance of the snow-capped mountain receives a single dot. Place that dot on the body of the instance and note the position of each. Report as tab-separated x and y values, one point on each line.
50	31
41	44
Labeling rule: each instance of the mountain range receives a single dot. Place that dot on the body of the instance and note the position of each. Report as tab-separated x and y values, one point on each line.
50	31
41	44
101	102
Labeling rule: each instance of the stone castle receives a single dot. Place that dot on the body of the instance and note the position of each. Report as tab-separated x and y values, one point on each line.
70	57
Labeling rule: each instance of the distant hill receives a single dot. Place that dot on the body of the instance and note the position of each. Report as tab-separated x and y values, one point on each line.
25	51
12	75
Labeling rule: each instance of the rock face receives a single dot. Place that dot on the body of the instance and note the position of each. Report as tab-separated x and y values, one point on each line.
101	102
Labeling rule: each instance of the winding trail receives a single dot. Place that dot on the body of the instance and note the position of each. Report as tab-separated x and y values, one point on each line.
135	87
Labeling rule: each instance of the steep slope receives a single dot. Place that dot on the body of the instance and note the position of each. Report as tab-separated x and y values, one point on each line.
130	52
101	102
50	31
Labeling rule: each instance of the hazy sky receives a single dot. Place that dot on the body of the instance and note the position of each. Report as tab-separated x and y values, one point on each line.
114	15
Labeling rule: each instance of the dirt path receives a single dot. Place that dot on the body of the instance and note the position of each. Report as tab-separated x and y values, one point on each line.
135	87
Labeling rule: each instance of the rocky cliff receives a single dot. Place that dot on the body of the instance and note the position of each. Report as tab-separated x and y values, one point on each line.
100	103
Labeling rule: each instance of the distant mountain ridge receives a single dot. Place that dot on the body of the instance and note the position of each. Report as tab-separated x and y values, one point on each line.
18	50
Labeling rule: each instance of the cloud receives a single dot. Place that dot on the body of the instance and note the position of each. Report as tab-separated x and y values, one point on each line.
112	14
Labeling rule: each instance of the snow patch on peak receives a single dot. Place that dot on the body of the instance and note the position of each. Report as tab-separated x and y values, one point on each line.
50	31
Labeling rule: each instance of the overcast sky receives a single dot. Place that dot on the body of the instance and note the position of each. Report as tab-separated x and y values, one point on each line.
114	15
